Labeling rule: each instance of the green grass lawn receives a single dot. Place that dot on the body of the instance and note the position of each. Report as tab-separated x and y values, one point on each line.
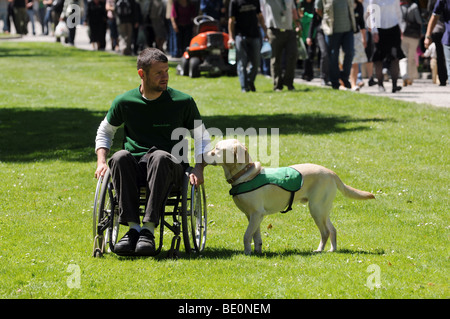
52	99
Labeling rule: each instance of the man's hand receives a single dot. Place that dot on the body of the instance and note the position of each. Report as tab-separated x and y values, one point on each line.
375	37
102	166
427	42
101	170
196	176
430	27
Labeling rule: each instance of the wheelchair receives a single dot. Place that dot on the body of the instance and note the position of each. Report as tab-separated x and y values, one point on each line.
184	215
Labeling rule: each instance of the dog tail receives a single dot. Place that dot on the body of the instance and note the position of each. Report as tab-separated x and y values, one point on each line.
351	192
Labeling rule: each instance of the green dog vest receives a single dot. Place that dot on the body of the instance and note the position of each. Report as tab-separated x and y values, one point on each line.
287	178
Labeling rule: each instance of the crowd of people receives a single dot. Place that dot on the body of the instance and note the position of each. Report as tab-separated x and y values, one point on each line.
382	39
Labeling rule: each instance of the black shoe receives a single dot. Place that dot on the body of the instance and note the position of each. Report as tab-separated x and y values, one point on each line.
251	87
325	83
127	245
396	88
372	82
347	84
146	243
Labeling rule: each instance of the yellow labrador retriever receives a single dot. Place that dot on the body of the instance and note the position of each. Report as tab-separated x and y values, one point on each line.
317	186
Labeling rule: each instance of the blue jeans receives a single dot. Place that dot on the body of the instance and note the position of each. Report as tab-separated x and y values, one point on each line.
447	58
248	55
172	40
335	42
47	21
4	18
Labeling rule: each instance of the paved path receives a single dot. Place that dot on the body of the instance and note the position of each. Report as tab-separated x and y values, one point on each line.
423	90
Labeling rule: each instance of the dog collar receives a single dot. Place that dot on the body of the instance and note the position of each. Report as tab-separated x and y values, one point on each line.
240	173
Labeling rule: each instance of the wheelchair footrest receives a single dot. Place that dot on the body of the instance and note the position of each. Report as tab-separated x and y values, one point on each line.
174	247
97	250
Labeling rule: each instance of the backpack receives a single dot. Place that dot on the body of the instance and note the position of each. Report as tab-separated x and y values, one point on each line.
412	29
123	8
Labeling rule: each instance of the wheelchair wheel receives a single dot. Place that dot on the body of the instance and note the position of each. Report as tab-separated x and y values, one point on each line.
198	217
105	217
193	216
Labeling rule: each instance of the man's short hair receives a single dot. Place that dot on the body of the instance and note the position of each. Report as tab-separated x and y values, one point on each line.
149	56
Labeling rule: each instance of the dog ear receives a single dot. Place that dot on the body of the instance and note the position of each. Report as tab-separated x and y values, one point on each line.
235	152
240	154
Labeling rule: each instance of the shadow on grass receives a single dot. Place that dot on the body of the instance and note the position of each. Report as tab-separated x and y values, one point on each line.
48	50
288	123
35	134
378	251
225	253
48	133
21	51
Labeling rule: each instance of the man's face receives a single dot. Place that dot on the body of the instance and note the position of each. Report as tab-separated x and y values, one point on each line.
157	78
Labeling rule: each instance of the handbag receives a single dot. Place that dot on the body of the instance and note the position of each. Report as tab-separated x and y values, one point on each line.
266	50
302	53
61	30
412	29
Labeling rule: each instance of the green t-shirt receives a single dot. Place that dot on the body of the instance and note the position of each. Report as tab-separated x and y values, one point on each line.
150	123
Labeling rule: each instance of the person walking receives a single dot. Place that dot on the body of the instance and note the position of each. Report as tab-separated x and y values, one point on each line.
128	19
97	19
182	19
306	13
20	17
280	16
244	20
436	37
412	33
360	43
338	24
385	28
316	35
442	8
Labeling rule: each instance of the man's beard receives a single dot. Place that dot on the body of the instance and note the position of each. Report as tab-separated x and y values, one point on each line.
157	87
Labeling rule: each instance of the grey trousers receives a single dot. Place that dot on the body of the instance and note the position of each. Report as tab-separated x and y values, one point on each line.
283	41
156	170
126	37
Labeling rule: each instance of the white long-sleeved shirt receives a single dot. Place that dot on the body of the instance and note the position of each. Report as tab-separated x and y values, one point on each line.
383	14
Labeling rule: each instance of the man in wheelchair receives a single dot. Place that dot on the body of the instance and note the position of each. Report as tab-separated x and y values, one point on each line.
149	114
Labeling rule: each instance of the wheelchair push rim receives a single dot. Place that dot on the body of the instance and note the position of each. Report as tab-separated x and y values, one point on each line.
193	216
198	216
105	217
